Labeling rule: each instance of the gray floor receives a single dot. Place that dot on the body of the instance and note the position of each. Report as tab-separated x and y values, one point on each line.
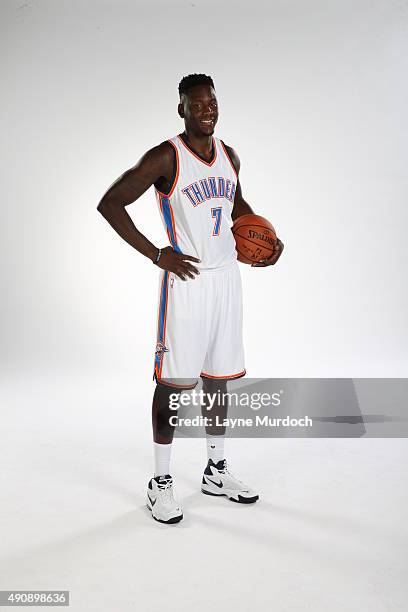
328	534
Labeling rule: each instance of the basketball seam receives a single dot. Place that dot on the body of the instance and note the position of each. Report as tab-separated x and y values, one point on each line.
251	225
258	245
252	242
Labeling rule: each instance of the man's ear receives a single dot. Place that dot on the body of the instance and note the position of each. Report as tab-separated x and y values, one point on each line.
180	109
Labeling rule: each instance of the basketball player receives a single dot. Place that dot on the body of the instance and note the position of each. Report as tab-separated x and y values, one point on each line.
199	330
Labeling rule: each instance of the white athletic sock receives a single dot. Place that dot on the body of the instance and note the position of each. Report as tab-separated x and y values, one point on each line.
162	454
215	447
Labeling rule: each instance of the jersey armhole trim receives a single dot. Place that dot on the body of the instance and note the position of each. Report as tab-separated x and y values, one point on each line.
228	157
167	195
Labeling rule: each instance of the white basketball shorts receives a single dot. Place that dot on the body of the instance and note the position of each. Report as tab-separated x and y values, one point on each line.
199	330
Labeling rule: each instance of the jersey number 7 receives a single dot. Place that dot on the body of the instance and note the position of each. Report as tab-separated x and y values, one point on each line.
216	214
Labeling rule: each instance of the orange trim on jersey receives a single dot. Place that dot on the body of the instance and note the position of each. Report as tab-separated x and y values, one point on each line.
195	154
158	317
167	195
158	370
229	159
173	223
161	210
173	386
164	328
229	376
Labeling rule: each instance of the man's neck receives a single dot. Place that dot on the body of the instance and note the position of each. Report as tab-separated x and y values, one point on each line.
202	145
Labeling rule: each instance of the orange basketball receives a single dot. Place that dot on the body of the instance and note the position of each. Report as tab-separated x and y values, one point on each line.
255	238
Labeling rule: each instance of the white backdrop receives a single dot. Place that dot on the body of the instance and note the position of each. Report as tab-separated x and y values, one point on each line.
312	96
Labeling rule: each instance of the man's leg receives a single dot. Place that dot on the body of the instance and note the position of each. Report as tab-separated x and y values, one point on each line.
180	351
224	361
217	479
163	431
215	431
160	498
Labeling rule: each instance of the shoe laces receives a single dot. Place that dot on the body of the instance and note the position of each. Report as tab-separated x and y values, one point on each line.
225	470
165	488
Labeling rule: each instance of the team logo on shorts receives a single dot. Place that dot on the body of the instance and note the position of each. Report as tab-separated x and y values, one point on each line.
161	348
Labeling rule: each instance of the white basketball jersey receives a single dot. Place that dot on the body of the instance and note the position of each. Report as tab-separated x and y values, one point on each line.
197	211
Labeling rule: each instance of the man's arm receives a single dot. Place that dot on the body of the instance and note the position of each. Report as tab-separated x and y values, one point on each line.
156	166
241	207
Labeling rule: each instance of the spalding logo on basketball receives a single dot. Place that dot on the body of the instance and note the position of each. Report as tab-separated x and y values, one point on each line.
255	238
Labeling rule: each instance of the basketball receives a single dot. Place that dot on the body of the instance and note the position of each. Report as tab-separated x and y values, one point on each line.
255	238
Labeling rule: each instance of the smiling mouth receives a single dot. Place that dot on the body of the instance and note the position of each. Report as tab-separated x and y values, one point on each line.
207	121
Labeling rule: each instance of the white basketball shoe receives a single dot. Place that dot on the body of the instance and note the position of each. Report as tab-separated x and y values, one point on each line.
217	480
161	502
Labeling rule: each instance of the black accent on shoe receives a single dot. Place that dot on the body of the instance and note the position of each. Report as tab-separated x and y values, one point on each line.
220	466
213	494
207	470
217	484
245	500
152	502
150	484
203	481
240	500
175	519
162	478
162	481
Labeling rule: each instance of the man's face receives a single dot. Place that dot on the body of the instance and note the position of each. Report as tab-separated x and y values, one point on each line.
199	109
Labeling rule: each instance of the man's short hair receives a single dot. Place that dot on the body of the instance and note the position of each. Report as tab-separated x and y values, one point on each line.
192	80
